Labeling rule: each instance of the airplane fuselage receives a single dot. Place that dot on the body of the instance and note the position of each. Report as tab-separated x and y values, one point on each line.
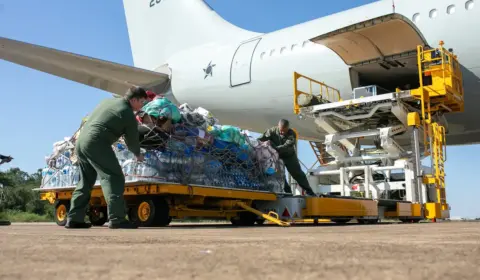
248	83
246	78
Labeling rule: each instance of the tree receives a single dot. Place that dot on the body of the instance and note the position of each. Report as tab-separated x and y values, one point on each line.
16	177
18	194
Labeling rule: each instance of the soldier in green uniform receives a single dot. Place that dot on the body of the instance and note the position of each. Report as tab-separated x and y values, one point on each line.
283	140
107	123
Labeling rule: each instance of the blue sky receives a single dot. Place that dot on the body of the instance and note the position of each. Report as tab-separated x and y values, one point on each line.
38	109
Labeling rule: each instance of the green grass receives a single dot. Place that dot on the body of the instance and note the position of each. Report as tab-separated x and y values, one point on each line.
24	217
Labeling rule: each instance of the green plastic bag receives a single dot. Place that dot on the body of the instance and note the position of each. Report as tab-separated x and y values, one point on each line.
162	107
227	133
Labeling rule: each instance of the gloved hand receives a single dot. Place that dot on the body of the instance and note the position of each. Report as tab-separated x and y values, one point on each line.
266	143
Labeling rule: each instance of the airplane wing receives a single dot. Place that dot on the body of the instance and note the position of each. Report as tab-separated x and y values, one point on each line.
105	75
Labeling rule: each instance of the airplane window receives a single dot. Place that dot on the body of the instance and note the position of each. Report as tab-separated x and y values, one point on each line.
294	46
282	50
451	9
262	55
416	17
272	52
433	13
469	4
304	44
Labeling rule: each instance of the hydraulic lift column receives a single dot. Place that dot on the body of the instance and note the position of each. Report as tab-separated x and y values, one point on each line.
414	123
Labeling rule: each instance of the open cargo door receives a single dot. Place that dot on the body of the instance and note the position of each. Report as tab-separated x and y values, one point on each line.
377	50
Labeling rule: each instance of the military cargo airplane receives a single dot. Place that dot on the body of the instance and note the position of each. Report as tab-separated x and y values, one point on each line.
244	78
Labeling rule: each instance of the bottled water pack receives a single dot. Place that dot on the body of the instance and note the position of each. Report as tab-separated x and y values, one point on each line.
189	155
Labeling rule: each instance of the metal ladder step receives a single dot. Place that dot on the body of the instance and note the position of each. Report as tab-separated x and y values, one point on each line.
322	156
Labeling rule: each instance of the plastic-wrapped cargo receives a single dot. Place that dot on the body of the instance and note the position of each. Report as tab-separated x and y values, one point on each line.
228	133
224	156
162	107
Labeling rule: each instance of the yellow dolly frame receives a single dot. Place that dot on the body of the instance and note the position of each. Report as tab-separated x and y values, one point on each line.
156	204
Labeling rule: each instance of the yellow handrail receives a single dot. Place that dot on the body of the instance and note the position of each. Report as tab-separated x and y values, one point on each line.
327	93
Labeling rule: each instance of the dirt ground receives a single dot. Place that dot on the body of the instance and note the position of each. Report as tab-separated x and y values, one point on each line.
391	251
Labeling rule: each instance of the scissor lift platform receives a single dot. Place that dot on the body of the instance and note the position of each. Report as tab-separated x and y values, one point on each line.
391	122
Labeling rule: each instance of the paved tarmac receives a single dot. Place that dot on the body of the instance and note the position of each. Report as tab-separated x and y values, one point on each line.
449	250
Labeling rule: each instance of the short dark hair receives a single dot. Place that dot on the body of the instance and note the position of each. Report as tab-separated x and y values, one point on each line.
136	92
284	123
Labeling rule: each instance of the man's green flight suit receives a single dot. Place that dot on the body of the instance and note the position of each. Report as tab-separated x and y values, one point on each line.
107	123
285	145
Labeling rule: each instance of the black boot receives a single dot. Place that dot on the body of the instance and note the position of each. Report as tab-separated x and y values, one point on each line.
122	225
73	224
310	193
286	188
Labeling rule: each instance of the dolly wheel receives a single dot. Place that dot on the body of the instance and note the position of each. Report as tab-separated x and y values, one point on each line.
150	212
61	211
367	221
162	216
340	220
98	216
362	221
244	219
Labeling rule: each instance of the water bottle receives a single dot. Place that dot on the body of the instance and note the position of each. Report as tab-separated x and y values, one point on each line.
128	168
148	168
171	178
187	164
65	177
163	163
198	163
176	162
118	153
46	175
127	154
58	162
75	175
124	166
54	180
213	166
135	170
199	179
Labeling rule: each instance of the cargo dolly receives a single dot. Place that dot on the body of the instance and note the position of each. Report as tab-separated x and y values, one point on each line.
385	180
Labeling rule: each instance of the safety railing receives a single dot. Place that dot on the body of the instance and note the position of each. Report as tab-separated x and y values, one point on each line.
315	92
440	77
441	89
